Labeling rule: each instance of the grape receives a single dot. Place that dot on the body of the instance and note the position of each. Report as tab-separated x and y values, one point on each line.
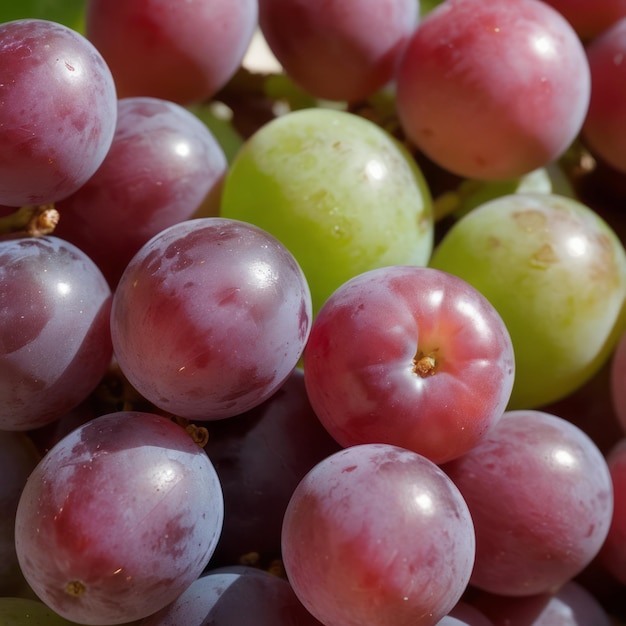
613	554
29	612
18	458
161	166
570	605
556	273
235	596
590	19
172	49
493	90
58	109
355	45
377	534
260	457
127	511
337	190
540	495
409	356
231	310
55	340
604	130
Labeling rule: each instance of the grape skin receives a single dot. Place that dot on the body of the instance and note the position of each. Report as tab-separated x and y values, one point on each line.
58	108
231	310
355	44
361	362
162	165
179	51
493	90
377	535
55	340
540	495
126	506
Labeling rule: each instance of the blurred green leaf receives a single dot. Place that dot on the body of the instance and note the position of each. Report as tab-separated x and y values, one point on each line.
68	12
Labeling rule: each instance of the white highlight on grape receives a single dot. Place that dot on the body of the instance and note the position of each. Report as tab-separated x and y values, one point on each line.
375	170
544	46
564	458
63	288
263	274
424	502
577	245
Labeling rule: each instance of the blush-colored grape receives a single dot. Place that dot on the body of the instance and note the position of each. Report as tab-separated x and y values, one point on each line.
58	108
410	356
118	519
540	495
210	318
377	534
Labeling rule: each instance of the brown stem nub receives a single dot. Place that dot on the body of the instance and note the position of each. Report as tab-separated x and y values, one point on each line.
424	364
75	588
32	221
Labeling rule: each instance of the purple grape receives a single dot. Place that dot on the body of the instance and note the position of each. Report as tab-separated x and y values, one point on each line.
118	519
235	596
161	166
58	107
260	457
210	318
377	534
55	340
541	498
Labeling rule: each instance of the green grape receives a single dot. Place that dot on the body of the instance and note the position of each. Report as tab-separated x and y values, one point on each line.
341	193
28	612
556	273
68	12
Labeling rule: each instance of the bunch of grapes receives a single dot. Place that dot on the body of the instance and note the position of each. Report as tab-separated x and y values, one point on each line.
313	313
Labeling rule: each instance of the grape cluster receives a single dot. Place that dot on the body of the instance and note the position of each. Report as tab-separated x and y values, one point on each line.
337	338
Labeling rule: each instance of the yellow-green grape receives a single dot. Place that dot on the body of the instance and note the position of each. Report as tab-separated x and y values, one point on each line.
556	273
341	193
29	612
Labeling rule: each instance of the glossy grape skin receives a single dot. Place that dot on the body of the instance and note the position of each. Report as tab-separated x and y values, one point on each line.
127	511
377	535
55	341
234	596
179	51
540	495
355	45
58	108
493	90
604	130
469	614
337	190
556	273
231	310
362	362
162	165
260	457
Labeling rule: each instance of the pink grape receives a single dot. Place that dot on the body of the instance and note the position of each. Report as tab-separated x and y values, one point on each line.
540	495
58	108
410	356
55	339
210	318
338	50
493	90
377	534
604	129
118	519
162	165
172	49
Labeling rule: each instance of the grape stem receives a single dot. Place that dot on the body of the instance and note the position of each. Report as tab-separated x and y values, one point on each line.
31	220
